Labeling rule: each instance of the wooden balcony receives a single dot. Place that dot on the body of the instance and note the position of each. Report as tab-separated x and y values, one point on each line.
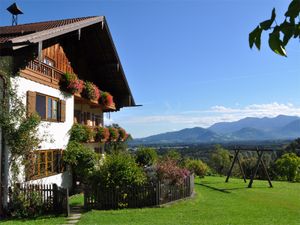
42	73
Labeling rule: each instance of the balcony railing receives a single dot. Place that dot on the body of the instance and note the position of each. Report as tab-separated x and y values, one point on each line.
41	72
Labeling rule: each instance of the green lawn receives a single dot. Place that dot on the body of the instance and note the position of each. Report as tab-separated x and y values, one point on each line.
45	220
215	203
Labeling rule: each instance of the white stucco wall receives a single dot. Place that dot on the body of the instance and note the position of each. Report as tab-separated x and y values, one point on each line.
56	132
62	180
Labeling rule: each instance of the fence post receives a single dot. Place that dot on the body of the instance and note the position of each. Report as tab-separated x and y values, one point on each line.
67	202
158	193
55	198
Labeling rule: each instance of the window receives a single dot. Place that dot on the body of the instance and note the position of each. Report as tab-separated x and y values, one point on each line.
47	107
87	118
52	109
49	62
45	163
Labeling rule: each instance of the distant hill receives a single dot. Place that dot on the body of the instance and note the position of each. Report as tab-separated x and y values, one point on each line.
188	135
290	130
264	124
247	129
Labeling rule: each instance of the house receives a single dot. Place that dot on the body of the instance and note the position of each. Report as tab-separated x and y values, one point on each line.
36	56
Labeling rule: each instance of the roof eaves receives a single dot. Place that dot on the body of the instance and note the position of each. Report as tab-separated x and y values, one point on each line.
119	61
54	32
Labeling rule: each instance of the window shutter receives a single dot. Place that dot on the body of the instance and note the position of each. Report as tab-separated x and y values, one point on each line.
62	111
31	102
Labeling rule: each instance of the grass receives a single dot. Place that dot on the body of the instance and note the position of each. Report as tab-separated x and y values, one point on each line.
44	220
76	200
216	203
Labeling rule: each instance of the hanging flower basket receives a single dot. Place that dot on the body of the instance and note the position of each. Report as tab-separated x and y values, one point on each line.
91	91
69	82
113	134
102	134
107	100
122	134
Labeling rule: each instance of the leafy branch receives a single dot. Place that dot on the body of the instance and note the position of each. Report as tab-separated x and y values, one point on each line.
279	35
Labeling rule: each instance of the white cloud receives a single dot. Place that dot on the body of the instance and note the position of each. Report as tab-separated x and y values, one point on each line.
222	113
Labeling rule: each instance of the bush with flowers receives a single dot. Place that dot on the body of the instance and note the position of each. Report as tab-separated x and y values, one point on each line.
168	171
69	82
91	91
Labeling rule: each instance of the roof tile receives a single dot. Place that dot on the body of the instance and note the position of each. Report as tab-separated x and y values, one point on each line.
9	32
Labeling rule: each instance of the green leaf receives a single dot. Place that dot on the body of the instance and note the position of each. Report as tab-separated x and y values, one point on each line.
276	44
273	16
297	30
266	25
258	39
293	9
288	30
254	37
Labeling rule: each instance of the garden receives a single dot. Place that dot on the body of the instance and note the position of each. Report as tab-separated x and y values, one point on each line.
215	203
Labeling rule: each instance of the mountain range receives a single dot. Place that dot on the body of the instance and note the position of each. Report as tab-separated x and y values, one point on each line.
248	129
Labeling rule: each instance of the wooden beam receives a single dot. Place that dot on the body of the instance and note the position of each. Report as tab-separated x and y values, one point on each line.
260	154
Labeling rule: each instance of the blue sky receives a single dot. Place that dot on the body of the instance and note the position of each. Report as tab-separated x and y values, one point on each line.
188	62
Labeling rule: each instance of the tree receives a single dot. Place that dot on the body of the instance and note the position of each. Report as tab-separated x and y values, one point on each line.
197	166
173	154
288	166
280	34
220	160
294	146
118	169
146	156
81	159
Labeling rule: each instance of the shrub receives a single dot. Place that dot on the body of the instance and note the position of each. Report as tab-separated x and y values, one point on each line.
25	204
117	170
70	83
288	166
102	134
81	133
197	166
91	91
81	159
168	171
146	156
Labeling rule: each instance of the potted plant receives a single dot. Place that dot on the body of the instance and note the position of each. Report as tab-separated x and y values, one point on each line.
113	134
81	133
102	134
122	134
69	82
91	91
107	99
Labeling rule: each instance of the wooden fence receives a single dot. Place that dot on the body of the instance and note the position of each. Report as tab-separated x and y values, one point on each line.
53	199
136	197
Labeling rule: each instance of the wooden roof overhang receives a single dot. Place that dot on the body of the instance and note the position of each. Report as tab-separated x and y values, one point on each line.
90	49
